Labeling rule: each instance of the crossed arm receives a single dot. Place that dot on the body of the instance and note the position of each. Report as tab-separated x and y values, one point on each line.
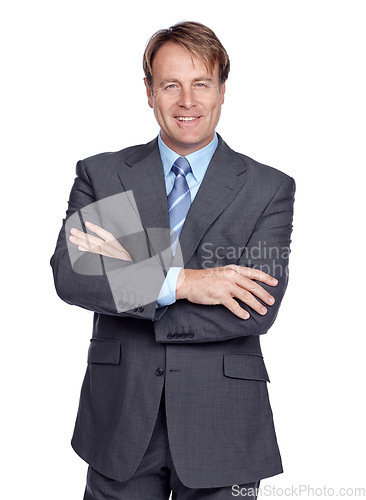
245	291
219	285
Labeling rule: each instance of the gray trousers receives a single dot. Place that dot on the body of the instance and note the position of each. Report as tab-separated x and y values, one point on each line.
156	477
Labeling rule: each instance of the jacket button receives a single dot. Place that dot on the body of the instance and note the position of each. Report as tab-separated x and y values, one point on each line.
170	336
190	334
135	309
177	335
140	309
159	372
183	335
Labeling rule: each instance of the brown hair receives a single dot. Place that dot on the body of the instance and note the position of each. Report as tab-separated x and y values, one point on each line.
197	39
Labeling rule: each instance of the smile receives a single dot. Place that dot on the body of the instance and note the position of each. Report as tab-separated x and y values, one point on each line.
187	118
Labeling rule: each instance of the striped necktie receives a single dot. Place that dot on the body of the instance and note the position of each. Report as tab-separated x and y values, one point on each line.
179	200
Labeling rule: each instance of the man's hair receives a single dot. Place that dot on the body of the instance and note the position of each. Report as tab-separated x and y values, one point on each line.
199	40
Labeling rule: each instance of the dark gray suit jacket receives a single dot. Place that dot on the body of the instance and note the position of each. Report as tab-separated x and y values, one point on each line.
219	417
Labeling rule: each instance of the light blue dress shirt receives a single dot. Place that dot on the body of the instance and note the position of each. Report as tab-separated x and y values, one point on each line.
199	161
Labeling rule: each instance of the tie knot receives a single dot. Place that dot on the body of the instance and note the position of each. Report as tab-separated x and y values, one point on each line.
181	166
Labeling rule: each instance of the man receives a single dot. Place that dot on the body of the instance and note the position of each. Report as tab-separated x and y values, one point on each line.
175	393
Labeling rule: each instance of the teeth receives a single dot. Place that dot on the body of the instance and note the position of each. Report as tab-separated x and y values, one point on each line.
186	118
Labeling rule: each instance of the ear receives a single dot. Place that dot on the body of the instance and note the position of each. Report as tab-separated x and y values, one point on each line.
149	94
222	92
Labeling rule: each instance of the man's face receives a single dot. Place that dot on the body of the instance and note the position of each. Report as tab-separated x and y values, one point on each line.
186	99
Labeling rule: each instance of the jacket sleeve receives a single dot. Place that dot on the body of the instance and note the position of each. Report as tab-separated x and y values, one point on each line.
268	249
84	281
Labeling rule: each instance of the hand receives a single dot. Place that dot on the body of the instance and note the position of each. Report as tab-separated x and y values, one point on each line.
219	285
105	245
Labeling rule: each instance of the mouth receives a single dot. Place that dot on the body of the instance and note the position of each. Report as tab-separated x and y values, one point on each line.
187	119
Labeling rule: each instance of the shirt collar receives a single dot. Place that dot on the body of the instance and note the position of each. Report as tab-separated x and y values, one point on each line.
198	160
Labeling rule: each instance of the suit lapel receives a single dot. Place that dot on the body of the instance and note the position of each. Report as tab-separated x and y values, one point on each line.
145	178
220	185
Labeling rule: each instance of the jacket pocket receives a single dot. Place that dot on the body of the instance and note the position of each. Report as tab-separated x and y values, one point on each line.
245	366
104	351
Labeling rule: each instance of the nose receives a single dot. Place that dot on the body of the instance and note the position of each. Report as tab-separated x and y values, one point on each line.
186	97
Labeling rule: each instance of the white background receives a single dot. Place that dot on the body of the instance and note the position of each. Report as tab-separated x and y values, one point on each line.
72	87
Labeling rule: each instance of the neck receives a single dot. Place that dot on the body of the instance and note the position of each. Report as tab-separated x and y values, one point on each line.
186	149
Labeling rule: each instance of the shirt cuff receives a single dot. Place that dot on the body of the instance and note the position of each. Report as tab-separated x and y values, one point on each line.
167	292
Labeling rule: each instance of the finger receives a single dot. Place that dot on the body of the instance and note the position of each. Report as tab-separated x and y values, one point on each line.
85	239
102	250
107	236
91	243
254	288
96	245
97	249
256	274
249	300
235	308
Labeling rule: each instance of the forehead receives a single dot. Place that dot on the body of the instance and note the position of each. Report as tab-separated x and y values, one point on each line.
173	58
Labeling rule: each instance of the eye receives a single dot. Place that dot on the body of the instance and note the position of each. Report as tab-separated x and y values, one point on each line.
200	85
171	86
